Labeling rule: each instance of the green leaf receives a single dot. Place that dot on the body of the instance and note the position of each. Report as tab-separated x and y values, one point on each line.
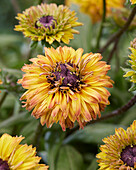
14	120
92	133
129	117
69	159
93	165
53	142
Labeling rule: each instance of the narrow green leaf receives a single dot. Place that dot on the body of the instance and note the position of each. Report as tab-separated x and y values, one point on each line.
93	165
92	133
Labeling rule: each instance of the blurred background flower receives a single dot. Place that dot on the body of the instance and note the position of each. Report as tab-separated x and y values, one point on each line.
120	17
95	8
133	1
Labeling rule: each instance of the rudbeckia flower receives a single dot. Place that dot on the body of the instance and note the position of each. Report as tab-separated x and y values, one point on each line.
14	156
48	22
119	151
133	1
132	72
94	8
66	86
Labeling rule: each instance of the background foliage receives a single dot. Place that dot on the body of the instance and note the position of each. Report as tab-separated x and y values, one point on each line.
61	150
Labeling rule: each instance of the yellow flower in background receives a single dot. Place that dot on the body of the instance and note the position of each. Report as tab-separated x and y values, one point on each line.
94	8
119	151
0	80
132	72
14	156
66	86
120	17
133	1
48	22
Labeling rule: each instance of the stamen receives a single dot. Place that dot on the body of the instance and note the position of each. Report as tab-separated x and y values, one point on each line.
4	165
128	155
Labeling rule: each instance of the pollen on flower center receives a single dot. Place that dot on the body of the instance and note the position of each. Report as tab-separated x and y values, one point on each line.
128	155
65	77
4	165
46	21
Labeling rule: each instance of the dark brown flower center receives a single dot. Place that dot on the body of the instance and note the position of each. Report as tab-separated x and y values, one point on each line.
65	77
128	155
46	21
4	165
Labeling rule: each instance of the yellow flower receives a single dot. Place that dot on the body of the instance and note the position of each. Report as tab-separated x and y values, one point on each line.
48	22
132	72
133	1
94	8
65	86
14	156
119	151
0	80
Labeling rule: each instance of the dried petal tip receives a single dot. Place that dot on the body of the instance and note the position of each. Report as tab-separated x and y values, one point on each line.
65	86
119	151
48	22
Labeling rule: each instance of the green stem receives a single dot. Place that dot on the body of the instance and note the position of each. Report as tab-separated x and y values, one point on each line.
3	98
101	26
38	135
120	32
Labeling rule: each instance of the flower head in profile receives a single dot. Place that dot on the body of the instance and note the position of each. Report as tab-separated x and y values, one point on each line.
94	8
48	22
14	156
119	151
133	1
132	72
66	86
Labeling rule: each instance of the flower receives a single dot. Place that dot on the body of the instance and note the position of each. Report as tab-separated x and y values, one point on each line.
132	72
48	22
133	1
120	17
119	151
94	8
65	86
14	156
0	80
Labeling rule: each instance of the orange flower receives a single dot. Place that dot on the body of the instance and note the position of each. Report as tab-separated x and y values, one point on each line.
65	86
94	8
119	150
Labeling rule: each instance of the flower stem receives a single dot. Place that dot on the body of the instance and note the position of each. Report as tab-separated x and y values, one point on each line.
118	34
3	98
38	135
101	26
